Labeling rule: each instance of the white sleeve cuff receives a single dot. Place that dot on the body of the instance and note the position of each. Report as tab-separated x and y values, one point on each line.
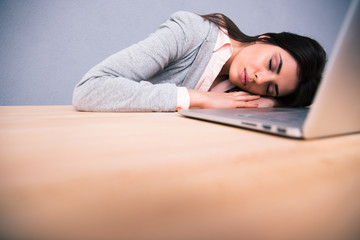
183	98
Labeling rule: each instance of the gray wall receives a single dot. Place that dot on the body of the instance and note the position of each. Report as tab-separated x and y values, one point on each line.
47	45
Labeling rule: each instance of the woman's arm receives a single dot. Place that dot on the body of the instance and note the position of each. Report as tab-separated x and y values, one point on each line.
120	82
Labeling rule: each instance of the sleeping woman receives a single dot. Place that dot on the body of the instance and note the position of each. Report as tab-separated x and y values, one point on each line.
194	61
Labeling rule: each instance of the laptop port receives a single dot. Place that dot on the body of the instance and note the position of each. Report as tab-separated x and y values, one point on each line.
266	127
281	130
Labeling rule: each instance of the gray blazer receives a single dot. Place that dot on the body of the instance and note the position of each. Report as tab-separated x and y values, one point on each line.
145	76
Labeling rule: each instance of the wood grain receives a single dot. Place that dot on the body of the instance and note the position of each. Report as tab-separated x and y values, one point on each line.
78	175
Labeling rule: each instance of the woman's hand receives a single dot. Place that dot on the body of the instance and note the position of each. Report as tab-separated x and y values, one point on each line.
266	102
240	99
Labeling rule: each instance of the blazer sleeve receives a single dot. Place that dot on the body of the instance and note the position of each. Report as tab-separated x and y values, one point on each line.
120	82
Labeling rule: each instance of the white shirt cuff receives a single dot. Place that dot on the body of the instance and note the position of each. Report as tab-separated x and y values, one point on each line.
183	98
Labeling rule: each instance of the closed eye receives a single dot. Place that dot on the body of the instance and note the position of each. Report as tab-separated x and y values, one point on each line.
270	64
267	89
275	86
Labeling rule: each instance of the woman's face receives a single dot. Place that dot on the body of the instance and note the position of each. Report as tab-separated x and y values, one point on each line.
264	69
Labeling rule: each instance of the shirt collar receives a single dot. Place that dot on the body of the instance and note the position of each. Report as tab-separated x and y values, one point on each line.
222	40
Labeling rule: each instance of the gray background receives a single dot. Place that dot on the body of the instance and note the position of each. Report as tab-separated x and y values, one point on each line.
47	46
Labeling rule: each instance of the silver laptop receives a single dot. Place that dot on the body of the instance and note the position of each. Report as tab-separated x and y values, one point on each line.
336	107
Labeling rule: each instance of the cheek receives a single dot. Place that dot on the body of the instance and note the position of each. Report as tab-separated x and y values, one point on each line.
235	68
255	89
254	62
233	74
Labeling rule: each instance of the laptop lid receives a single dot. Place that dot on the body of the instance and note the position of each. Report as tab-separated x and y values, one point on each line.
336	107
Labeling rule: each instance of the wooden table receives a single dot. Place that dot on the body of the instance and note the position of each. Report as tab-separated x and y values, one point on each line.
78	175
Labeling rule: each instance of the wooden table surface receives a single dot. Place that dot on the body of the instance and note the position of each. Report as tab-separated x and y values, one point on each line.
78	175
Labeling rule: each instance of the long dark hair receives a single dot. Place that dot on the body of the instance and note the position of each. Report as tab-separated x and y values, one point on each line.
307	52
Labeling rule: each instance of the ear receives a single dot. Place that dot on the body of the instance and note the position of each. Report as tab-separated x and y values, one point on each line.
263	36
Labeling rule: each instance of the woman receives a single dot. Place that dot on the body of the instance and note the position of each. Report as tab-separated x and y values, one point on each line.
205	62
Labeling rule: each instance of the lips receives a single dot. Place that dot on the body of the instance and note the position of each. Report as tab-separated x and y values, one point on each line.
244	77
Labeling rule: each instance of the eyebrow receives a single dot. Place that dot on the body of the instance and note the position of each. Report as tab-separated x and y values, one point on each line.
280	65
278	71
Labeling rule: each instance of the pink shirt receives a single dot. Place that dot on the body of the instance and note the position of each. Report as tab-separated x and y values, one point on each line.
221	53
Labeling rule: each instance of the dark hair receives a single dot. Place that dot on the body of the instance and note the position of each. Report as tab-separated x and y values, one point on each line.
307	52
